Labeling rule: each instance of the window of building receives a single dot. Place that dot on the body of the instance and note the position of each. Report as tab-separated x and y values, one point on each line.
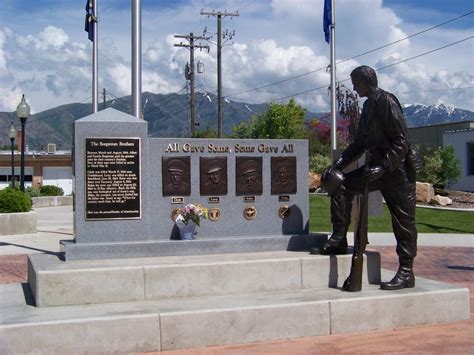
470	158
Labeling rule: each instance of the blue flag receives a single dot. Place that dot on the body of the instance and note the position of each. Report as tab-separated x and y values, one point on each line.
327	19
89	25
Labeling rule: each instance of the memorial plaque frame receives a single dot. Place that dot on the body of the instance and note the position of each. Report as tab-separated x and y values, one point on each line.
284	178
135	164
172	167
248	176
213	176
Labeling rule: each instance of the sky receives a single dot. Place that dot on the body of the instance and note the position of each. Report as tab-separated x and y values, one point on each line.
278	50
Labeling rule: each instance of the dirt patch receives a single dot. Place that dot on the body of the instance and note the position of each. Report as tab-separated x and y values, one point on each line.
460	199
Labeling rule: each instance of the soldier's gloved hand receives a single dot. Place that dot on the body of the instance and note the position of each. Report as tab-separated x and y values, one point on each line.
338	163
374	173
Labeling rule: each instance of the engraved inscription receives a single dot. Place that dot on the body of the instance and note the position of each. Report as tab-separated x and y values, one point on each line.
112	170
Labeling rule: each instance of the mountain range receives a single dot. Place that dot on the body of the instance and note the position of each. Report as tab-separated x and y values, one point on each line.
168	116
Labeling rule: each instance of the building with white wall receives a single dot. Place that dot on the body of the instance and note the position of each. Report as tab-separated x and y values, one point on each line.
41	168
463	144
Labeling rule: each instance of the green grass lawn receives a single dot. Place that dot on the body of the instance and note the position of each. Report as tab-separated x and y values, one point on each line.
427	220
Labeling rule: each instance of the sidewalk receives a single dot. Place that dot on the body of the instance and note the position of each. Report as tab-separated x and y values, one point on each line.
447	258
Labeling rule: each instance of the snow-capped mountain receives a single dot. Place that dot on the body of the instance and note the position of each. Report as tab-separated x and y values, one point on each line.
421	115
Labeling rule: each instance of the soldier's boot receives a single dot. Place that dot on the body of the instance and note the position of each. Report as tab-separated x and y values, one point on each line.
336	244
404	278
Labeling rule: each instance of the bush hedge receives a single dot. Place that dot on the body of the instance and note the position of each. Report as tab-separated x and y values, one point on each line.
13	200
50	190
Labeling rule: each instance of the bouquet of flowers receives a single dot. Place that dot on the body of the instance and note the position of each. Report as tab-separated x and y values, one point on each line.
193	212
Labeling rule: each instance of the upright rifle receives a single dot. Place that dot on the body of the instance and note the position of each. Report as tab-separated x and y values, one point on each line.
353	283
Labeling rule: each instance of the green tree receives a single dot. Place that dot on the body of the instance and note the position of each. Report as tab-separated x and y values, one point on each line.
440	167
279	121
319	162
451	166
206	133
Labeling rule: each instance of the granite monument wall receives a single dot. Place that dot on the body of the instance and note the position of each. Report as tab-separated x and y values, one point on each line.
129	189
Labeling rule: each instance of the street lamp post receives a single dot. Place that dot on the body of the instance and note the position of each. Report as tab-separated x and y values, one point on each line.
23	111
11	135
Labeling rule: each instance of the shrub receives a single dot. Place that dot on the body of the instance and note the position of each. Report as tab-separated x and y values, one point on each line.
50	190
318	162
33	191
440	167
13	200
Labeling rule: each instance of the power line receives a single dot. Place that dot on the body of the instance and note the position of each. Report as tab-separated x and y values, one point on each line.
384	67
353	57
435	90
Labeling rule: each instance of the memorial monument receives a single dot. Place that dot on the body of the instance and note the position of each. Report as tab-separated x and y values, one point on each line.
129	189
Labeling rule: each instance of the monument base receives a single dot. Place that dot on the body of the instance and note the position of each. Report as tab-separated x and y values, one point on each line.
213	300
204	246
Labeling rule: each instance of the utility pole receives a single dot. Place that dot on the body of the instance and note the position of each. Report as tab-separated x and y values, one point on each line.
219	14
104	98
191	38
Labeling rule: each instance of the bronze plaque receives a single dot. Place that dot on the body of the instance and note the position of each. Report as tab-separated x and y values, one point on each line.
248	176
213	199
176	176
175	213
284	198
283	175
112	178
283	212
213	176
214	214
250	212
249	198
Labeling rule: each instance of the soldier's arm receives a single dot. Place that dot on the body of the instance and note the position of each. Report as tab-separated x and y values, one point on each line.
396	131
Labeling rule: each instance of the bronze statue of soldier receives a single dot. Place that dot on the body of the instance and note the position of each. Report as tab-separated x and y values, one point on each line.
383	134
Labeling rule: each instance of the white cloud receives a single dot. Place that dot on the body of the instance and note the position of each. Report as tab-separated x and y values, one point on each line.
275	39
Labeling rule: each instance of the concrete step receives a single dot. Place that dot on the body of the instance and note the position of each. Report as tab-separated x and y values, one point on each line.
55	282
178	323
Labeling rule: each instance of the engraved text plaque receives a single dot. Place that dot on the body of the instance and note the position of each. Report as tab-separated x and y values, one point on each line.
112	186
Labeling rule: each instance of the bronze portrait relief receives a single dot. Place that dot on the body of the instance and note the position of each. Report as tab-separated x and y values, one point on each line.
176	176
283	175
248	176
213	176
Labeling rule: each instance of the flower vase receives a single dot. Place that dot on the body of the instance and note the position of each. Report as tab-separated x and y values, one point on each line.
187	231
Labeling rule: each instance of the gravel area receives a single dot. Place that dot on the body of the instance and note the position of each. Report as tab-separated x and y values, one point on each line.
460	199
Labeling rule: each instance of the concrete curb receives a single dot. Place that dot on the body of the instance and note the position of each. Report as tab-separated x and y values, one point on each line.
18	223
52	201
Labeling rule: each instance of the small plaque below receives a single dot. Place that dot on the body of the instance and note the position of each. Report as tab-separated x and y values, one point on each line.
250	213
213	199
176	200
249	198
283	212
284	198
214	214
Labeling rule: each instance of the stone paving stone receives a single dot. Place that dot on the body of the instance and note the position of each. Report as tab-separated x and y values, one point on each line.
13	269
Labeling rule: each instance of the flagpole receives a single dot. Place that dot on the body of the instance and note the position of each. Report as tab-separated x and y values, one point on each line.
95	60
136	58
333	82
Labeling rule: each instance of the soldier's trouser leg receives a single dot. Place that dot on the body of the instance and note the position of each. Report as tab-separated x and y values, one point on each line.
401	203
341	208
